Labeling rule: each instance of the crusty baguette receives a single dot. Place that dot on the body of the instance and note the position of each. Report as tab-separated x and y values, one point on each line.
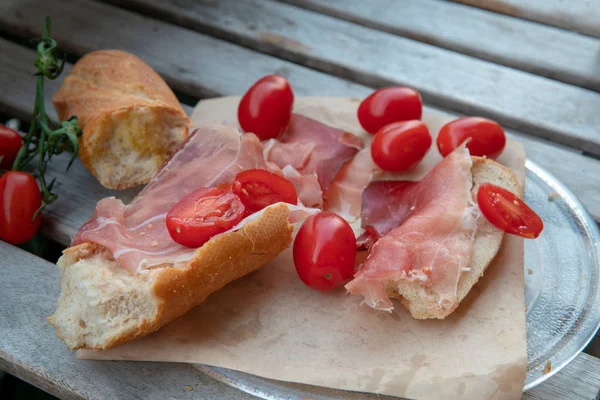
102	305
132	122
422	302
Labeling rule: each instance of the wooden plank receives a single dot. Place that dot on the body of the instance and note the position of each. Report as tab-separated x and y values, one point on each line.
520	100
71	210
184	58
542	50
30	350
575	15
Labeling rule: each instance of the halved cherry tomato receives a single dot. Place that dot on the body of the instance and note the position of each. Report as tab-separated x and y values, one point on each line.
487	137
203	214
400	146
258	188
266	108
325	251
387	105
508	212
10	143
20	198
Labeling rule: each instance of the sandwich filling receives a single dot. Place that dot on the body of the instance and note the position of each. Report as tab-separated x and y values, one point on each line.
137	234
424	232
311	154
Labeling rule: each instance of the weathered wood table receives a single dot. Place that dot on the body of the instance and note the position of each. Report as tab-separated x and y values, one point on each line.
533	66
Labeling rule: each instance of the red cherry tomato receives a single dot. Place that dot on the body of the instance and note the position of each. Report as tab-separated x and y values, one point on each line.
20	198
10	143
325	251
258	188
400	146
387	105
508	212
203	214
266	108
487	137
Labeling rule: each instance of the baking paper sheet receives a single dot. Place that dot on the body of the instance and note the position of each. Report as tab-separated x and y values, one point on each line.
270	324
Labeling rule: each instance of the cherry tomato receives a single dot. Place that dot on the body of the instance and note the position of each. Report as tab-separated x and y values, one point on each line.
487	137
325	251
258	188
400	146
387	105
266	108
20	198
203	214
508	212
10	143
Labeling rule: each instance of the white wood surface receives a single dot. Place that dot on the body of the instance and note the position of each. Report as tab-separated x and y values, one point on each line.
543	107
543	50
30	350
575	15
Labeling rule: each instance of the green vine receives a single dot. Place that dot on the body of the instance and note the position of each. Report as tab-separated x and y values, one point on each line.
46	138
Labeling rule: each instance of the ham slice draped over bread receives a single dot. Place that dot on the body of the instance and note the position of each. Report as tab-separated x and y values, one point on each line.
425	229
311	154
136	234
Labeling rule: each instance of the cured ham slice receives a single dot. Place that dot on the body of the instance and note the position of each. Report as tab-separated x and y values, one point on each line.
314	150
136	234
426	232
344	196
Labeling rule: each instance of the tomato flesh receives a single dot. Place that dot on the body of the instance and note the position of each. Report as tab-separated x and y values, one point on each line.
486	137
258	188
203	214
10	143
387	105
20	198
266	108
508	212
400	146
325	251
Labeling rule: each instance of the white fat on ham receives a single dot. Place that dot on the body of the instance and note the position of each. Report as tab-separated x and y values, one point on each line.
136	234
426	232
316	152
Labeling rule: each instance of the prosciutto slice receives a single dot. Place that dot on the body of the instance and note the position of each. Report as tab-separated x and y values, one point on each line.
137	234
316	152
426	232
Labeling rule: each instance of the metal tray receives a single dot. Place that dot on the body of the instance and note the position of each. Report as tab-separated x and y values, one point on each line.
562	294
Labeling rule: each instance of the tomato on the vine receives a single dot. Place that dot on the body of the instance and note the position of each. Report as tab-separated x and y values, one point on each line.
20	198
203	214
506	211
266	108
400	146
258	188
486	137
387	105
325	251
10	143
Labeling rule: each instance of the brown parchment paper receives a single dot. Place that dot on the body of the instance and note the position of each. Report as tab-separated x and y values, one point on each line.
271	325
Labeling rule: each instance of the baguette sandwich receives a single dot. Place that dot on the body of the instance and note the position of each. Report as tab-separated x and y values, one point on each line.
132	122
124	276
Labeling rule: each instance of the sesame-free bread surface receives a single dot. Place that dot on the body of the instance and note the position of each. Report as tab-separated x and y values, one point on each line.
102	305
132	122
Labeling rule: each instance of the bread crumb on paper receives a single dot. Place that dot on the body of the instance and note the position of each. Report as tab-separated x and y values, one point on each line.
529	271
552	196
188	388
547	368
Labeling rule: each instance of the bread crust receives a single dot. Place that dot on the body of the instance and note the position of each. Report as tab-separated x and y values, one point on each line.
108	90
421	301
177	290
